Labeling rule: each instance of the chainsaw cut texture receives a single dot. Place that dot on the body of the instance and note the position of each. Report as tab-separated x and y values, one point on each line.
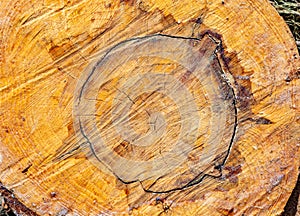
148	107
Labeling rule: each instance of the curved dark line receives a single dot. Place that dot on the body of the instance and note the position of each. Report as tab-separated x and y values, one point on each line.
188	185
234	129
235	109
192	182
120	44
98	159
220	167
91	146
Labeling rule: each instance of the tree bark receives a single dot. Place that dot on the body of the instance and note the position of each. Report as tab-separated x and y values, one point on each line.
148	107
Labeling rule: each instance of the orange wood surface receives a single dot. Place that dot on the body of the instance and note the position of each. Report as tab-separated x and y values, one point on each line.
148	107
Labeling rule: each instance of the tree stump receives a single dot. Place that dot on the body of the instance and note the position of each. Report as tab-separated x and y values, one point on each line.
148	107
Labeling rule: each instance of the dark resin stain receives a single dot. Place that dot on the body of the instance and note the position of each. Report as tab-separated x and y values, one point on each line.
185	76
263	120
13	205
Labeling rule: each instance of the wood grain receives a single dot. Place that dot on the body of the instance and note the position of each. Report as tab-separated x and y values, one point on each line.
148	107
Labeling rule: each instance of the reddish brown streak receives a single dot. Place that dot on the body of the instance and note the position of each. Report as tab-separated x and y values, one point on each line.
185	76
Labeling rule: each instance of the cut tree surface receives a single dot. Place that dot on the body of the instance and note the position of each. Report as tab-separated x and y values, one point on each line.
148	107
